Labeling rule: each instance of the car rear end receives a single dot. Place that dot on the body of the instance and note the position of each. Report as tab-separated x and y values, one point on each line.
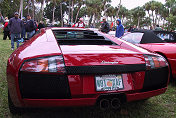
90	71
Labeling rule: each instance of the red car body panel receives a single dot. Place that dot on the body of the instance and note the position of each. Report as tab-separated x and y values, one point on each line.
165	49
82	87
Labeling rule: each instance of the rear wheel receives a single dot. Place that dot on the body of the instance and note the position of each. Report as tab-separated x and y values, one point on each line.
13	110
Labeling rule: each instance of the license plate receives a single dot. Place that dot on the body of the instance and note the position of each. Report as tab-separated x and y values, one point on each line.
108	82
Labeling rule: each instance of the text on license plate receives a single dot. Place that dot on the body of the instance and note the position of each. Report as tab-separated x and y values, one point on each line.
108	82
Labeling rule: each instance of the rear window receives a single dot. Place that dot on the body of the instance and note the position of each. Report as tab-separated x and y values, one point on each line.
166	37
134	38
81	37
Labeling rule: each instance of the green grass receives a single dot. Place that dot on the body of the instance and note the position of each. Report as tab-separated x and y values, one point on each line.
162	106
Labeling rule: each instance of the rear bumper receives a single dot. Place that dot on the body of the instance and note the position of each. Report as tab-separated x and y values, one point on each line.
144	95
87	101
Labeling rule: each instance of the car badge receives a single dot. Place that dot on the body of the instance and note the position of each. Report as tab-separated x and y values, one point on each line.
107	62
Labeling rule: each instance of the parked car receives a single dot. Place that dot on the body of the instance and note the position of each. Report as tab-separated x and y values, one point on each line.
169	37
63	67
161	42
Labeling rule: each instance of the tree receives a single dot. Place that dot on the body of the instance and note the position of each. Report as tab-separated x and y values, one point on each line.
171	5
147	7
93	10
158	9
138	15
57	15
79	4
42	2
118	9
123	13
105	6
8	7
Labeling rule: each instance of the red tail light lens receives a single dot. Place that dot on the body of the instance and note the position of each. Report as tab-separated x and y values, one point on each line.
48	64
154	61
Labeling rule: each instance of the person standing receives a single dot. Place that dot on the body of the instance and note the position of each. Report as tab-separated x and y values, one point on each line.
105	26
15	26
158	28
119	29
6	30
30	27
41	25
79	24
23	31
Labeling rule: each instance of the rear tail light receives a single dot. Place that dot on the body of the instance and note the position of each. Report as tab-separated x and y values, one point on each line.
48	64
153	61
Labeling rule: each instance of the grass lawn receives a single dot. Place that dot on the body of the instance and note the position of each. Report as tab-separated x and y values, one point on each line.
162	106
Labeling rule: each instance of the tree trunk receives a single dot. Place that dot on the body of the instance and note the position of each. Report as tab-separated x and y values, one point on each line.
53	13
94	19
61	15
69	10
105	11
148	13
77	13
163	23
33	10
153	19
21	8
90	20
138	22
118	9
42	8
156	18
72	12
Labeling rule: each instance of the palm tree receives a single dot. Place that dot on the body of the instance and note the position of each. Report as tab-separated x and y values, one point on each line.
79	4
158	6
110	12
123	13
164	14
33	10
21	8
105	5
153	8
54	7
118	8
62	20
138	14
94	10
72	4
42	2
171	5
147	7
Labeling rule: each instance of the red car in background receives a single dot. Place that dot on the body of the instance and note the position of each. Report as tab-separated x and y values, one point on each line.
161	42
62	67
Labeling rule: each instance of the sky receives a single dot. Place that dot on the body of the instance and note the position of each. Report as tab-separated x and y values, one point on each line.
130	4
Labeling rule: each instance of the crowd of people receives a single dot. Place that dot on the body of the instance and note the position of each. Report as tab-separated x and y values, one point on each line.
17	28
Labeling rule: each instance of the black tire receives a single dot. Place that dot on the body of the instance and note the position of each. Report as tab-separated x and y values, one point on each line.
13	110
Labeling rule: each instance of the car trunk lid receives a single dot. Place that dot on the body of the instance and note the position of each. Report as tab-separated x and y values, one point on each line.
86	55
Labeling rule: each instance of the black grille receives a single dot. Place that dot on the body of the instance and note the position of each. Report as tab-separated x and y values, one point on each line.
155	79
109	69
44	86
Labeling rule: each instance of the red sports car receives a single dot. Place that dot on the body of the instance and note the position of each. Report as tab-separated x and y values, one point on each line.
152	41
81	67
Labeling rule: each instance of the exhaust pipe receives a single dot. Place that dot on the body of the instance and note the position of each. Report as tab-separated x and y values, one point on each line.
104	104
115	103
